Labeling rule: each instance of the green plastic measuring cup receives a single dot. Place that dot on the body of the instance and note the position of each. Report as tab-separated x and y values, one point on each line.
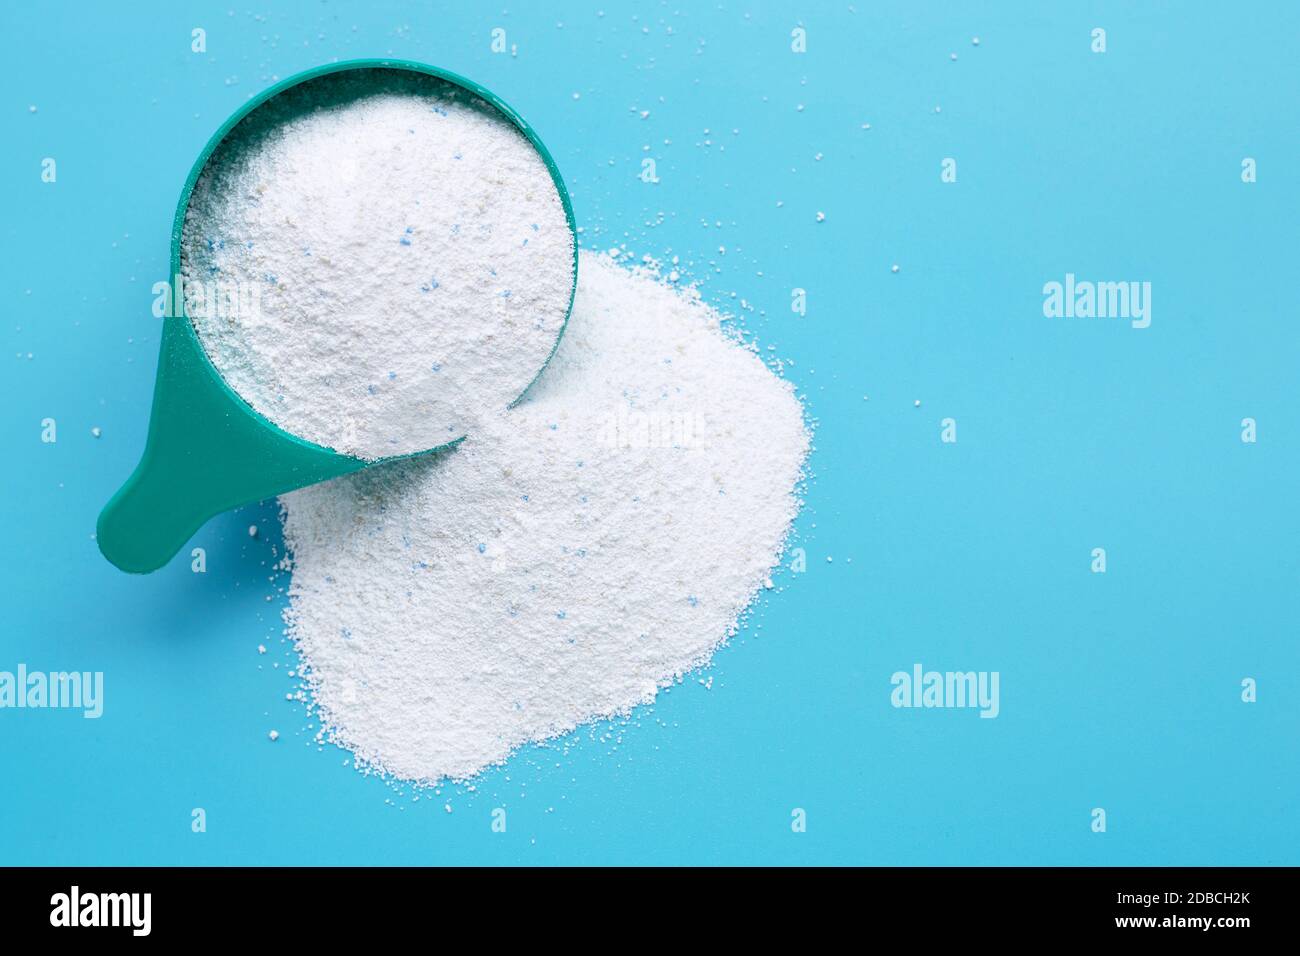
208	450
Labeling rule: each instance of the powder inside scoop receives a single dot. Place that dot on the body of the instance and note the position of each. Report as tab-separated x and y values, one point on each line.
374	260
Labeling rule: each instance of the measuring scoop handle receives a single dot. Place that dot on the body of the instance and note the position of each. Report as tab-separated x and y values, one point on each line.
148	520
207	452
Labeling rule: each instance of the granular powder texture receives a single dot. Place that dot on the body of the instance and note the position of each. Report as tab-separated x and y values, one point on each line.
400	254
573	556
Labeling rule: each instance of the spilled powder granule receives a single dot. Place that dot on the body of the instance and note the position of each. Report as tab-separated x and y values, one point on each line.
399	259
569	559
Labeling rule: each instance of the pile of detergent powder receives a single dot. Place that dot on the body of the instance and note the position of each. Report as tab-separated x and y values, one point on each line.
578	551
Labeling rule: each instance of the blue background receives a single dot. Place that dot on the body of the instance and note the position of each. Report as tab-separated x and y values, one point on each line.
1119	690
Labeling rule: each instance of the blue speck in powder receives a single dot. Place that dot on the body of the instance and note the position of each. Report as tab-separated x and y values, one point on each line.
482	547
560	615
692	600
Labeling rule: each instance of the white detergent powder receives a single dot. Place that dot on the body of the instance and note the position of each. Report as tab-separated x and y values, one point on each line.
573	556
401	258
